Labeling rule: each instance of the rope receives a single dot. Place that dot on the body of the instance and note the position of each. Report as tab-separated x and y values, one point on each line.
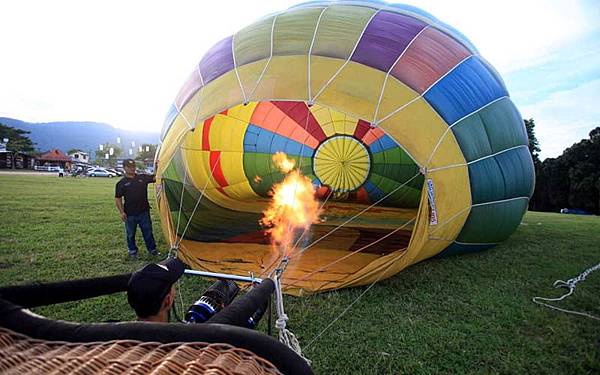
198	202
312	43
268	61
349	306
351	254
174	240
360	213
302	250
348	59
286	336
301	237
390	70
569	284
308	114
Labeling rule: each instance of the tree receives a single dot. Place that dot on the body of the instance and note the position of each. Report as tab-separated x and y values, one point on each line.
112	159
17	139
572	180
18	142
536	201
534	146
142	155
73	150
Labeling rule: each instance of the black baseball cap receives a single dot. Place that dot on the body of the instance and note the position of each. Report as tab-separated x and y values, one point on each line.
129	163
148	287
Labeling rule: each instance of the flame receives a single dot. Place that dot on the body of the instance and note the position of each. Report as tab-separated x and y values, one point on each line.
293	208
282	162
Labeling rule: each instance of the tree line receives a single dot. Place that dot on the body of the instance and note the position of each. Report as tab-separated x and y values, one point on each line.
147	151
571	180
19	142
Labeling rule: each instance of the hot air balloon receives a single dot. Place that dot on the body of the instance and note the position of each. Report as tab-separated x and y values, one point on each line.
408	136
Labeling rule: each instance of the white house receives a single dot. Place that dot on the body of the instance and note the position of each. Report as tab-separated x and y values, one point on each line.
80	157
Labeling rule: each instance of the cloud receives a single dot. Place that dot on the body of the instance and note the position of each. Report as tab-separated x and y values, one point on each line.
109	61
573	65
565	117
515	34
122	62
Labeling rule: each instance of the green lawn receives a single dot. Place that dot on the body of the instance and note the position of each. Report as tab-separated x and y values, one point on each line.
463	314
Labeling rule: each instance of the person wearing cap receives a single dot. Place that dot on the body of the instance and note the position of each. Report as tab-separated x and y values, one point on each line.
133	188
151	290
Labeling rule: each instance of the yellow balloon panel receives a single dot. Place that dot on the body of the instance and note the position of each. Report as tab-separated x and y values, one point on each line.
359	97
272	86
333	122
294	31
394	95
418	129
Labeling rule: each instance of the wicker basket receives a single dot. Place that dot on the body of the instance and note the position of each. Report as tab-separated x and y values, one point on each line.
20	354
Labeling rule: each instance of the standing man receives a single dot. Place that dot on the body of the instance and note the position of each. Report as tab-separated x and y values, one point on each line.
136	210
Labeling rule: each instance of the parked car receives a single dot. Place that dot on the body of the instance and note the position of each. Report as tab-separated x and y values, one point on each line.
100	172
48	168
115	171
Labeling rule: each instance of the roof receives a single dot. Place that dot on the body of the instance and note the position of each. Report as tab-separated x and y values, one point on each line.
78	152
54	155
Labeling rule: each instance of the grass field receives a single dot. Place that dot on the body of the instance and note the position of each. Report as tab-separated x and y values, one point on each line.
463	314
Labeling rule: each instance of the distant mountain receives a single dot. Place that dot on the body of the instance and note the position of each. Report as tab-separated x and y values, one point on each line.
86	136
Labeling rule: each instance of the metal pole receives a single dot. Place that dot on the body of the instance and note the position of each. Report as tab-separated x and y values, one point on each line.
224	276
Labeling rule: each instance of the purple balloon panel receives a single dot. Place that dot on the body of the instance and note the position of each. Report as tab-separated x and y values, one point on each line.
384	39
428	58
217	61
190	87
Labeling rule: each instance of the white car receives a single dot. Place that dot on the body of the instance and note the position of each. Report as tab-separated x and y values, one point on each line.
100	172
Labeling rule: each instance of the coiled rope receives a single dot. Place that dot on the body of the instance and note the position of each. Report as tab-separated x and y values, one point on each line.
569	284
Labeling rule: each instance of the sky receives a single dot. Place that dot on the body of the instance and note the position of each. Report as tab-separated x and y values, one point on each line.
123	62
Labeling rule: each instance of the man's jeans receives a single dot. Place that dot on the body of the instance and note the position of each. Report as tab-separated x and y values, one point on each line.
143	220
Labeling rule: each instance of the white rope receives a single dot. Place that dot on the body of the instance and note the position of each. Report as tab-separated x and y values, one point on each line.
426	91
285	335
295	247
312	43
268	61
351	304
390	70
569	284
478	160
200	74
235	67
351	254
349	57
198	202
499	201
173	241
360	213
295	189
455	122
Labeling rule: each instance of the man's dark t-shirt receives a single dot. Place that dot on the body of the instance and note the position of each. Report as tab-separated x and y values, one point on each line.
135	191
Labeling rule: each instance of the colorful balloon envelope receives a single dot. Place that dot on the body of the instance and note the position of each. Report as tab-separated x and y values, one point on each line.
408	136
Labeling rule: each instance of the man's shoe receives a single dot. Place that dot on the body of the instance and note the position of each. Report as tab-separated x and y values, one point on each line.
154	253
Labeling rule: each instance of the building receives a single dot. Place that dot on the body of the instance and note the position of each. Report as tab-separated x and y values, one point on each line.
80	157
80	161
55	158
14	160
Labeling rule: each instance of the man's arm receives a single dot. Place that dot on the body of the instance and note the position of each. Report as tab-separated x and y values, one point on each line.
119	204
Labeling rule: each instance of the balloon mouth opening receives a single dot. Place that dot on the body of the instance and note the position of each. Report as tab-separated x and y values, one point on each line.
365	191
